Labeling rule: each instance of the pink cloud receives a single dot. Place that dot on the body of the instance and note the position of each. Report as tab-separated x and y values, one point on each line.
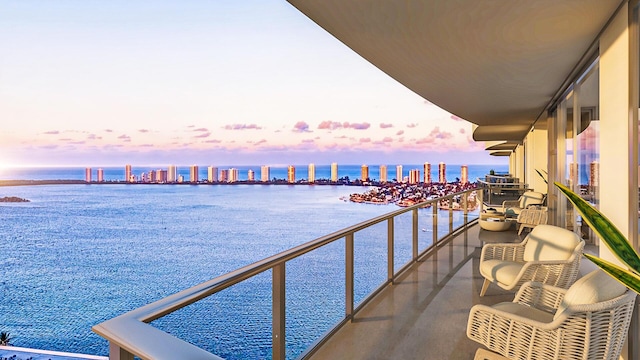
94	137
455	118
242	127
201	130
437	134
401	132
146	145
329	125
143	130
308	141
201	136
108	130
213	141
412	125
462	131
365	140
385	126
66	139
359	126
301	126
125	138
387	140
52	132
263	141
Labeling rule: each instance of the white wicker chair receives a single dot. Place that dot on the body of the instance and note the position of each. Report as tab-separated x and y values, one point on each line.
590	320
549	254
528	198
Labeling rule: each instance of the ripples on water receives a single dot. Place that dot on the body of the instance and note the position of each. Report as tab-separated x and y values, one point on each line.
81	254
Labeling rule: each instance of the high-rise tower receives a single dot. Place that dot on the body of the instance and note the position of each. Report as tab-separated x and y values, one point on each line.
291	174
427	173
442	173
334	172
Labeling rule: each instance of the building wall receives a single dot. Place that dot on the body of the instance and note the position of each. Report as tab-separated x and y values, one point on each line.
535	151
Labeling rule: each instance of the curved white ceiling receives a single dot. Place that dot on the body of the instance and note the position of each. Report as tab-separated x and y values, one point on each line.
494	63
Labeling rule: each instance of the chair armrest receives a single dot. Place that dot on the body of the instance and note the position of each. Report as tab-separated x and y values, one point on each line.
503	251
560	273
540	296
510	203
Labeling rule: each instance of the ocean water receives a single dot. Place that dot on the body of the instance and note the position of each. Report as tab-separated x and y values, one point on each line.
77	255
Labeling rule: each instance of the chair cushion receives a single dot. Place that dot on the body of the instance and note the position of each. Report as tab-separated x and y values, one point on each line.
548	242
597	286
525	311
504	272
531	198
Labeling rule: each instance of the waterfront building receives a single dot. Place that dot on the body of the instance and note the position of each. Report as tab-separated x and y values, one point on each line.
312	173
128	174
212	174
427	173
180	179
87	175
291	174
233	175
364	173
161	176
414	176
224	175
193	174
172	174
143	178
399	173
265	173
152	176
383	173
442	173
464	174
334	171
251	176
100	175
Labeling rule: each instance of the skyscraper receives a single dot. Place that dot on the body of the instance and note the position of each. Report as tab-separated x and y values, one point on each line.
224	175
265	173
87	174
364	173
427	173
442	173
291	174
193	174
399	173
233	175
464	174
383	173
161	176
100	175
152	176
334	172
312	173
414	176
127	173
212	174
172	174
251	176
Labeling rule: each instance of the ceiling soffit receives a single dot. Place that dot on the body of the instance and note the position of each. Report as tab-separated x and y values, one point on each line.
489	62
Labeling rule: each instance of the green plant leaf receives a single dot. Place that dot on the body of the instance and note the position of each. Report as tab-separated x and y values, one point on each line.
626	277
605	229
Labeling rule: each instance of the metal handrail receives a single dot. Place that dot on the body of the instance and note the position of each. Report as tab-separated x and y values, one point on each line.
130	334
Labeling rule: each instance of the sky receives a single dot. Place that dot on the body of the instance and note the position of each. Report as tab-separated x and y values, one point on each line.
104	83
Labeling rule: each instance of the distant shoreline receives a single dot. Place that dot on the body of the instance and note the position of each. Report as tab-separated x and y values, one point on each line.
241	182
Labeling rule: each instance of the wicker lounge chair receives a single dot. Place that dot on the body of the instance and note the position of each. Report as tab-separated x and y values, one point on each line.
549	254
590	320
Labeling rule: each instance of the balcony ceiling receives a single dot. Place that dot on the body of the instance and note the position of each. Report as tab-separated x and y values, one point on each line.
494	63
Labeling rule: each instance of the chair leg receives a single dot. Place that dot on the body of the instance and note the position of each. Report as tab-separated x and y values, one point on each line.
521	228
485	286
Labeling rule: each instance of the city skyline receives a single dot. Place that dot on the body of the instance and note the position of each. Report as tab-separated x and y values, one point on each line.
111	82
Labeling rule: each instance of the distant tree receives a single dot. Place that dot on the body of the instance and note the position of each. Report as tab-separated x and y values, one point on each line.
5	339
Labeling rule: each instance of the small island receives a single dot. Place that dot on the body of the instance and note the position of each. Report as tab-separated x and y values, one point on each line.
13	199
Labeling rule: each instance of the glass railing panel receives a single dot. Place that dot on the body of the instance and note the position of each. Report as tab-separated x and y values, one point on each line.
315	300
402	251
234	323
370	260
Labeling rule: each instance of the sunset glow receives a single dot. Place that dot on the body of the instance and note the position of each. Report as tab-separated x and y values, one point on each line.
103	83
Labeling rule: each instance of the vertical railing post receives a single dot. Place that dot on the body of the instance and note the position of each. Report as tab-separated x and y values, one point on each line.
118	353
278	312
480	196
390	251
349	276
435	224
415	234
451	215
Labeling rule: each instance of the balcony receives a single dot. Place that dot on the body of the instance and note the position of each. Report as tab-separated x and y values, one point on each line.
419	312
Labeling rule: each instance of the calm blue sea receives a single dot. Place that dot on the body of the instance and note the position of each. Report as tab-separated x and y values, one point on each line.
77	255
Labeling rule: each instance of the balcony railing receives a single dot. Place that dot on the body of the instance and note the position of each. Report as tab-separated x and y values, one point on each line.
131	334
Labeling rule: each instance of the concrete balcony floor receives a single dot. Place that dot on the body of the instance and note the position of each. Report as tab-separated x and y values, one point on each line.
424	314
